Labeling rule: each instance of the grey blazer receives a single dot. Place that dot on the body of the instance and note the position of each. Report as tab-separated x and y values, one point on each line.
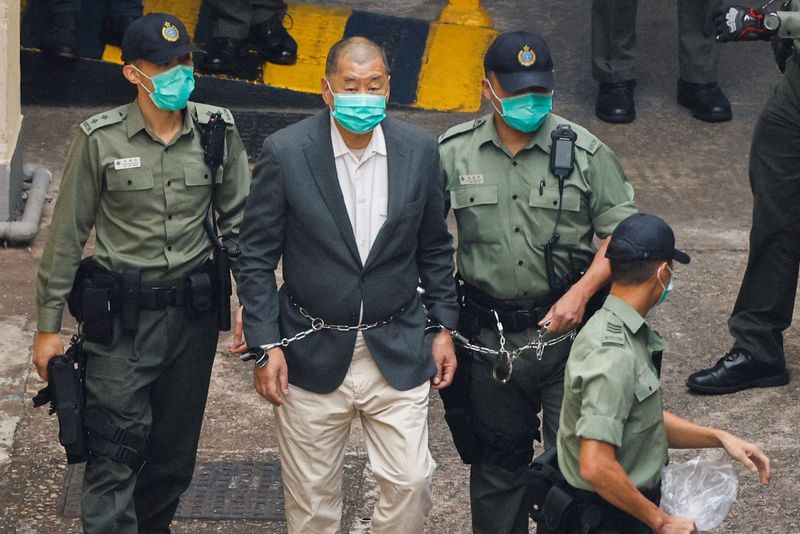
296	212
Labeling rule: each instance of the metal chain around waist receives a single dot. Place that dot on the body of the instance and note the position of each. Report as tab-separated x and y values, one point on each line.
502	369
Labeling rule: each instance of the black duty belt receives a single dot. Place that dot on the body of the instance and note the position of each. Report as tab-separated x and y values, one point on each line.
589	497
159	298
515	318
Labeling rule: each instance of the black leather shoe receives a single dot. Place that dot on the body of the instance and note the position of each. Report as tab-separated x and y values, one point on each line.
273	43
615	102
114	28
706	101
736	371
60	36
224	56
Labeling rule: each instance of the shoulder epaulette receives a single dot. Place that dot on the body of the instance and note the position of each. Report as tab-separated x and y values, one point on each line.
459	129
95	122
586	140
204	111
614	335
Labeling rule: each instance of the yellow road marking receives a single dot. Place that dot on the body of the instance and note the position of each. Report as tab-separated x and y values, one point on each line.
315	29
452	67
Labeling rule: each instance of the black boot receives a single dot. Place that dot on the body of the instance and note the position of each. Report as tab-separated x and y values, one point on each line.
224	56
114	28
60	36
273	42
706	101
736	371
615	102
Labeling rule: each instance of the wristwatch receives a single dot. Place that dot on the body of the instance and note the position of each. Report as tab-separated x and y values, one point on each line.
772	21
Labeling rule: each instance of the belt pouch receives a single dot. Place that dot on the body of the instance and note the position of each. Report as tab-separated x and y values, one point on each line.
98	320
556	507
131	281
200	294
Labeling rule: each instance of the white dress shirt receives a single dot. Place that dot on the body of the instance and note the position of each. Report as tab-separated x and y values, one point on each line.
364	181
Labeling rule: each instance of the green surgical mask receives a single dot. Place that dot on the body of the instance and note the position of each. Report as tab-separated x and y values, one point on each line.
359	113
525	112
171	88
667	288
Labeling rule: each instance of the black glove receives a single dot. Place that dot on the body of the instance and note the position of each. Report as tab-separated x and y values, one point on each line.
741	23
783	50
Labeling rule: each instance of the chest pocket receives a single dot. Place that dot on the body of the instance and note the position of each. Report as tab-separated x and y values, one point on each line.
196	174
475	207
648	408
571	228
138	179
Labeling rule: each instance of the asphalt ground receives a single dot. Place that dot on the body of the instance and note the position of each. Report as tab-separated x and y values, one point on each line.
691	173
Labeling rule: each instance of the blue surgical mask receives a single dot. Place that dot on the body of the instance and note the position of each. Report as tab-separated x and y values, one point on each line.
526	112
667	288
171	88
359	113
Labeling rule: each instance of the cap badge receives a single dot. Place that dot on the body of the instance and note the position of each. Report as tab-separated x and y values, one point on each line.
170	32
526	56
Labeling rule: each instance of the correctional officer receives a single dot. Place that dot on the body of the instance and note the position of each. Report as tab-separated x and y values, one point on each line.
136	174
765	304
614	432
525	251
61	26
239	25
614	60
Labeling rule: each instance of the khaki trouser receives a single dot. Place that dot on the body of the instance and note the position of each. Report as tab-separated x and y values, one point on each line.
313	430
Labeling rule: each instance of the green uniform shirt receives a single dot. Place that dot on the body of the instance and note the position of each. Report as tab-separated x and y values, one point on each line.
612	394
506	206
146	201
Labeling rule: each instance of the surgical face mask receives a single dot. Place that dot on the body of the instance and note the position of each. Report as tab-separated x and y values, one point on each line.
171	88
667	288
359	113
526	112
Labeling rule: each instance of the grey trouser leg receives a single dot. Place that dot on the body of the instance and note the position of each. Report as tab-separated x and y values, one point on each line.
614	40
698	51
153	383
508	413
234	18
765	303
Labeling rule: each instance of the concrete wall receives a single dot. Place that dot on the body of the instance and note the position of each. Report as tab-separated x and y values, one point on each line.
10	111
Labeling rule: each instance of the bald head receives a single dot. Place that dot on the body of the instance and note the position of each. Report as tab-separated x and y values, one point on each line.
359	50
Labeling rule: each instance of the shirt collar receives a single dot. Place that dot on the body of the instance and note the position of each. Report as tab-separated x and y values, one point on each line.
541	138
624	311
135	120
377	144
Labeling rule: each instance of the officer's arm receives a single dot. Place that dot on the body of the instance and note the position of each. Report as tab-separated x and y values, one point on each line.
232	192
683	434
789	24
600	468
261	243
434	254
73	219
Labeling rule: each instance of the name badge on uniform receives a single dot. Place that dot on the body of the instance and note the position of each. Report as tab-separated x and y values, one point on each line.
470	179
127	163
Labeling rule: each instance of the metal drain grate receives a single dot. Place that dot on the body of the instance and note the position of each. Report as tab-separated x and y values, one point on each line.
219	491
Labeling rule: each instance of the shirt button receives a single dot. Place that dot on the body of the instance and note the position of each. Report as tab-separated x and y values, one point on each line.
514	163
519	262
516	229
169	217
205	176
169	184
555	203
513	197
169	248
472	199
524	293
130	182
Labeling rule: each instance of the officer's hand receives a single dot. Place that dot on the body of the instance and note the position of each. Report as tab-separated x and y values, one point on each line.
238	345
567	312
272	380
748	454
741	23
444	355
677	525
46	345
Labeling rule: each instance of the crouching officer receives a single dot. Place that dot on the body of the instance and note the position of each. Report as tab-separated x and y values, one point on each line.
529	190
148	299
614	432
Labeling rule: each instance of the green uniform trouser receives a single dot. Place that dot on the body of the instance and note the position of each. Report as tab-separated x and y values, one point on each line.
614	40
765	303
153	383
234	18
507	414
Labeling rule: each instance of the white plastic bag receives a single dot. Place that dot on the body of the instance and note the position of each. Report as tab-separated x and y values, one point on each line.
701	489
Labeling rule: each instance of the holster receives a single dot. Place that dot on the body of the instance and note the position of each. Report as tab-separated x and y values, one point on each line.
64	392
94	298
